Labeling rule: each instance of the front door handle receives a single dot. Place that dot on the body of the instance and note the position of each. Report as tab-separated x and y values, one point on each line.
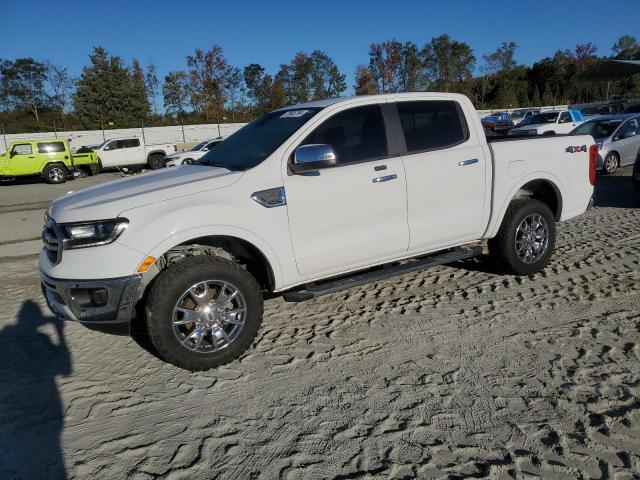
384	178
464	163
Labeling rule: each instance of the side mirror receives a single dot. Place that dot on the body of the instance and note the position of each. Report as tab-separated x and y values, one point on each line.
12	154
313	157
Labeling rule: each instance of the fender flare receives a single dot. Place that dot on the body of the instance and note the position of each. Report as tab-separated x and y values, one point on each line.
496	221
223	231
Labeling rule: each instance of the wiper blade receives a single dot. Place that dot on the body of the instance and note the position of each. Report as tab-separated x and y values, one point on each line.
222	165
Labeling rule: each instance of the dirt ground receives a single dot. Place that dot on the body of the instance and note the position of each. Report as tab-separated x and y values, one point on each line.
453	372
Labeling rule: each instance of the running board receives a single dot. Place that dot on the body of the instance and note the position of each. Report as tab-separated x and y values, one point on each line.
313	290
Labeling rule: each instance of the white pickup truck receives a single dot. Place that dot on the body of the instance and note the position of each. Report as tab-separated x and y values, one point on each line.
306	201
550	123
123	152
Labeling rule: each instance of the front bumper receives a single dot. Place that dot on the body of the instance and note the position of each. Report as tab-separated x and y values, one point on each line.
92	301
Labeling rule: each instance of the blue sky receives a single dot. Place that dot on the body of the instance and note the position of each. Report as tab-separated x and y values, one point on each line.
271	32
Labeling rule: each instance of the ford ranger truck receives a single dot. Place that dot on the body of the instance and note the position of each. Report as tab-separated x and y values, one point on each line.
302	202
48	158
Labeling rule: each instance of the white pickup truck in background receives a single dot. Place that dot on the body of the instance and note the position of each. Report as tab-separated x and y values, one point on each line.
550	123
306	201
122	152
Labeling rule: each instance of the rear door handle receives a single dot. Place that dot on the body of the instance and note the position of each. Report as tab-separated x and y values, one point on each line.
464	163
384	178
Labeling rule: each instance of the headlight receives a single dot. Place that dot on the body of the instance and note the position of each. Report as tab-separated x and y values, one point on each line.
91	234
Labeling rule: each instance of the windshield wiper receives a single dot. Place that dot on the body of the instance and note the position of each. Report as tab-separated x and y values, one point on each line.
222	165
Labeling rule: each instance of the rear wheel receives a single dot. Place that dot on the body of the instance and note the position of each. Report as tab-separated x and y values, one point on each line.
203	312
611	163
82	172
55	174
188	161
526	238
156	161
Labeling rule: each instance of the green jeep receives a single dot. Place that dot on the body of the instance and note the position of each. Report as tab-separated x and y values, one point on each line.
49	158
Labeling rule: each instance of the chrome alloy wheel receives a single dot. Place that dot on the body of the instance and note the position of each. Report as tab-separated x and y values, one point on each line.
532	238
209	316
56	174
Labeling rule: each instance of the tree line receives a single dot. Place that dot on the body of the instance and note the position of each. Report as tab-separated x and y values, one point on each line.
42	96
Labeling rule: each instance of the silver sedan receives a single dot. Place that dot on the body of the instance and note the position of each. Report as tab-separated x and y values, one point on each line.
617	137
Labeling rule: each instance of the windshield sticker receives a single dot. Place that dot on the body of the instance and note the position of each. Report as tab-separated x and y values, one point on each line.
293	113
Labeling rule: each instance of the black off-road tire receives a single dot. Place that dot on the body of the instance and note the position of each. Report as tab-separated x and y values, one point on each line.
156	161
503	246
172	283
611	163
55	173
83	172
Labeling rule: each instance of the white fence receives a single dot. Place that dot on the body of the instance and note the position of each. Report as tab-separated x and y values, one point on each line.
151	135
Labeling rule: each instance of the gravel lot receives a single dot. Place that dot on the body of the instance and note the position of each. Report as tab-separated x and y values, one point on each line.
453	372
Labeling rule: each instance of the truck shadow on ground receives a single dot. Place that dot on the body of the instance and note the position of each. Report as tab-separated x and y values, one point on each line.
31	410
616	191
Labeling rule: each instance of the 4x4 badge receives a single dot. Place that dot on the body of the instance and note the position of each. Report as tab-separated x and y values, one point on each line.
576	148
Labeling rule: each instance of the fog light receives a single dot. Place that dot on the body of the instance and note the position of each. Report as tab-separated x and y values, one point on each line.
98	297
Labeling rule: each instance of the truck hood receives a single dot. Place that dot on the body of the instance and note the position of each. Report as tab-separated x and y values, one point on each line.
110	199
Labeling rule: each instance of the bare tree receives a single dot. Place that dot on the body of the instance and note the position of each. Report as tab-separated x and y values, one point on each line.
153	84
61	85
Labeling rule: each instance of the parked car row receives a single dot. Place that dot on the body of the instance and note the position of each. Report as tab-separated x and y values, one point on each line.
52	160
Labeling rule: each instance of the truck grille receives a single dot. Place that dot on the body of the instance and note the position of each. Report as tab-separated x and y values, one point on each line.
53	240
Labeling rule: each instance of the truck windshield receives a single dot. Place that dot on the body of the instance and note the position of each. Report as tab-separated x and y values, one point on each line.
199	146
544	118
254	142
597	128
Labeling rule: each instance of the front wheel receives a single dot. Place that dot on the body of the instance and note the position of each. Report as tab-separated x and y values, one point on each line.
526	237
188	161
611	163
203	312
156	162
55	174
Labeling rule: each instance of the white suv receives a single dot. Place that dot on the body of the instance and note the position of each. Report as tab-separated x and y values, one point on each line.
190	156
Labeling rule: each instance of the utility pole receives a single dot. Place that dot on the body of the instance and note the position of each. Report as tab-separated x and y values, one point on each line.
143	139
104	139
4	135
182	127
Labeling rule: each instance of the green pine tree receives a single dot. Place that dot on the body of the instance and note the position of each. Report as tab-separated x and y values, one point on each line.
106	94
547	96
535	97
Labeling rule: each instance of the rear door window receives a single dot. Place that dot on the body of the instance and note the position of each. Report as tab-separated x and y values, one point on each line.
432	125
130	143
51	147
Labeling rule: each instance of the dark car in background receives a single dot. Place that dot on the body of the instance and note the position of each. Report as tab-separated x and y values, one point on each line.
515	119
